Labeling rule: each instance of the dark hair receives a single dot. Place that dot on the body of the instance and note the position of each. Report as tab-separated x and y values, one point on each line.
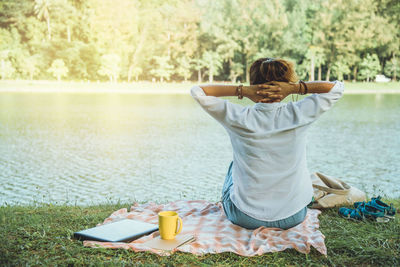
270	69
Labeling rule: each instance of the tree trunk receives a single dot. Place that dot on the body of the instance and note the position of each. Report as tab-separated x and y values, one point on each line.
68	34
168	41
395	67
138	49
247	72
199	75
230	71
319	73
312	68
355	74
210	74
130	73
328	72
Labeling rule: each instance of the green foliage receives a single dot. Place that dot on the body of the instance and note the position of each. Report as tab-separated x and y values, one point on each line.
236	69
42	8
110	66
213	62
30	66
162	68
369	67
392	68
184	68
177	39
58	69
339	69
135	71
6	69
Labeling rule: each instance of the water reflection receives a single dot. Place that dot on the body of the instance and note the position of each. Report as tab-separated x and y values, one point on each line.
90	148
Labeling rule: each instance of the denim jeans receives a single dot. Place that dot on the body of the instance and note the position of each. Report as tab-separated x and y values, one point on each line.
239	218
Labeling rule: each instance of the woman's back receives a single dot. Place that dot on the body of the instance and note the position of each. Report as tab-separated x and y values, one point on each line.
269	151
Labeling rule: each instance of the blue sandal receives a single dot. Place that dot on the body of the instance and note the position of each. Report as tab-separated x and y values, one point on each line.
364	211
354	214
372	212
388	210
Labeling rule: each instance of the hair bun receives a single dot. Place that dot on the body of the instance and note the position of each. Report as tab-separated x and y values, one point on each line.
269	69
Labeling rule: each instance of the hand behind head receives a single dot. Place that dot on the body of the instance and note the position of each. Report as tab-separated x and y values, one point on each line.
285	89
266	93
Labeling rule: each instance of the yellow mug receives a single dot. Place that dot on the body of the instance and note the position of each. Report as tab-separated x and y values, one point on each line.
168	224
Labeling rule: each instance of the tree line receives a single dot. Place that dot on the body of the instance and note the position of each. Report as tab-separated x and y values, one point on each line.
132	40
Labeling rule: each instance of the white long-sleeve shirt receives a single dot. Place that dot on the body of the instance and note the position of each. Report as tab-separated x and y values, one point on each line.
271	180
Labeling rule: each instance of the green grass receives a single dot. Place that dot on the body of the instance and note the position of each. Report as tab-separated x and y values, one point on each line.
41	235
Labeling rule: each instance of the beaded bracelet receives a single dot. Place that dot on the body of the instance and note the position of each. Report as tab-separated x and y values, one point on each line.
239	91
305	87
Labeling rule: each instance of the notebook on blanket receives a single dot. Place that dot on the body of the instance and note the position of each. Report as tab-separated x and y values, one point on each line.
161	244
124	230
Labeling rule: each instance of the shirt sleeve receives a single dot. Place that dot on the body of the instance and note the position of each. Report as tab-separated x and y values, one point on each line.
225	112
310	108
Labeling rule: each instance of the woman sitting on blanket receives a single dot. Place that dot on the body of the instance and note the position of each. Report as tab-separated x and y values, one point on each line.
268	183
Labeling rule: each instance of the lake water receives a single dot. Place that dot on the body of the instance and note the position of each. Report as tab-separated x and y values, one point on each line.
95	148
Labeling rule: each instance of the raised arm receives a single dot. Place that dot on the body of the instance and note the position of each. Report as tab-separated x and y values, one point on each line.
316	87
324	96
271	93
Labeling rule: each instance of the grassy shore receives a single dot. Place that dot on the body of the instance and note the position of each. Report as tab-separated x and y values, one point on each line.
41	235
159	88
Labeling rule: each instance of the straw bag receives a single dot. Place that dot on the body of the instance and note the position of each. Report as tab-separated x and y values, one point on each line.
330	192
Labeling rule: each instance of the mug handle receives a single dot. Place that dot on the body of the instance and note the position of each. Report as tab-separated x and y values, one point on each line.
180	226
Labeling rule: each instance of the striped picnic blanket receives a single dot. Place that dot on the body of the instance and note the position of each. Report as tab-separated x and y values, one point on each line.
216	234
